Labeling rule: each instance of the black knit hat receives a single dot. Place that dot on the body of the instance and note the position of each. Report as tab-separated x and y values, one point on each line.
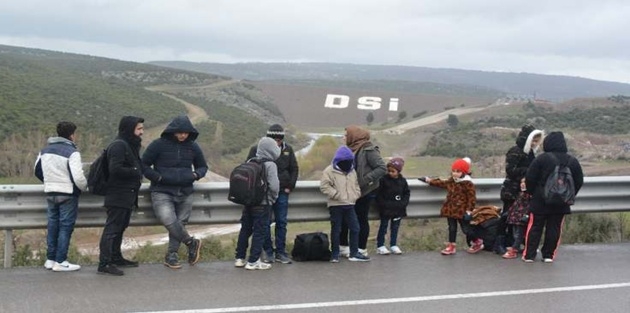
275	131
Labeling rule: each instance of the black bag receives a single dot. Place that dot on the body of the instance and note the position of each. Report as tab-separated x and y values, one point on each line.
248	183
98	175
311	247
559	186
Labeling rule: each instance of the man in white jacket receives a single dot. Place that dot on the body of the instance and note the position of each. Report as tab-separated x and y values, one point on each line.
59	167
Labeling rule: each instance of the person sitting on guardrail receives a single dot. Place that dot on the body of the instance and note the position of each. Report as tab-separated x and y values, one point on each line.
392	199
460	202
545	213
59	167
172	163
340	184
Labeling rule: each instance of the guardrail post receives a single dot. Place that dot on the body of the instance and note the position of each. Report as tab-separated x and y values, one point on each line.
8	247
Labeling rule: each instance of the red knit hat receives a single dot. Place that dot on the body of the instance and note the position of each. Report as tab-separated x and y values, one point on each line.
463	165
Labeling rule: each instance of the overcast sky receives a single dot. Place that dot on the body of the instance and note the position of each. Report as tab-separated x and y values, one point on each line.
566	37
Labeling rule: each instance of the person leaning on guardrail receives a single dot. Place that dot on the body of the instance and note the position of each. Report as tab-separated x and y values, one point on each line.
123	186
59	167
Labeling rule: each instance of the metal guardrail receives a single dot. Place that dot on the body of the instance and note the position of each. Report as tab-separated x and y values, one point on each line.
24	206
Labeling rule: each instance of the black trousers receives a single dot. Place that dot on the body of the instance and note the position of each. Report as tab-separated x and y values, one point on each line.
552	225
111	239
362	208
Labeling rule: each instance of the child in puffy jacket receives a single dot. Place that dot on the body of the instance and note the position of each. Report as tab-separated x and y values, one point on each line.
392	198
518	216
460	202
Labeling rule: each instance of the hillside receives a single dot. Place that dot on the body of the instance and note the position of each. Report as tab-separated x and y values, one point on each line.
550	87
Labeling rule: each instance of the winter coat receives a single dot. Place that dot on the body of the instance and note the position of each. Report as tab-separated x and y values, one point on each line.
172	166
125	168
341	188
519	209
392	197
460	196
554	145
484	213
268	151
287	166
368	163
517	160
59	167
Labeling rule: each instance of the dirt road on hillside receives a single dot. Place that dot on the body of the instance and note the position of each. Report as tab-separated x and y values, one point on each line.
399	129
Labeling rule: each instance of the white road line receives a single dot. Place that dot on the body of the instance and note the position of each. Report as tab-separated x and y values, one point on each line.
398	300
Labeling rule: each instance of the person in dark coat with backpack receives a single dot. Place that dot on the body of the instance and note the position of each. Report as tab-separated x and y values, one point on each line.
549	217
123	185
172	163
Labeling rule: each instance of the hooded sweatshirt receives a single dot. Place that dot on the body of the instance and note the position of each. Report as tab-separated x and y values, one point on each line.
125	168
268	151
341	187
555	147
172	166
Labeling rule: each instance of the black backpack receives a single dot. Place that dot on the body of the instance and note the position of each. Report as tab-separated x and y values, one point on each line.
560	187
248	183
311	247
99	174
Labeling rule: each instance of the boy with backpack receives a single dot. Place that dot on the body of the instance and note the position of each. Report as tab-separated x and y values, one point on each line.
255	217
551	200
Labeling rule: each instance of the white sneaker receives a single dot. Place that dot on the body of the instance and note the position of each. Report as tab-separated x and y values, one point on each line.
363	251
240	263
396	250
548	260
49	264
344	251
257	266
65	266
382	250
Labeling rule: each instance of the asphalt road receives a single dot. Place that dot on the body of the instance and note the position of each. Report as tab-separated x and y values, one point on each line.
587	278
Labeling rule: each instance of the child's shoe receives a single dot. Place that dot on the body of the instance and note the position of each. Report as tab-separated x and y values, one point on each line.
511	253
382	250
396	250
344	251
450	249
477	245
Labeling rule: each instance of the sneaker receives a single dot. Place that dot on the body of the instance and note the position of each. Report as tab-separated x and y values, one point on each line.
65	266
344	251
363	251
527	260
359	258
240	263
548	260
49	264
396	250
334	260
511	253
125	263
450	249
382	250
283	258
110	269
193	251
477	245
171	261
258	265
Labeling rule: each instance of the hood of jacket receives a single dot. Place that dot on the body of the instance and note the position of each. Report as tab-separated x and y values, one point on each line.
521	139
267	149
180	124
343	153
555	142
528	143
61	140
126	129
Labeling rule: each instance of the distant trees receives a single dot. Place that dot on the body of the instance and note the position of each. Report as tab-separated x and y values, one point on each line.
369	118
452	120
402	115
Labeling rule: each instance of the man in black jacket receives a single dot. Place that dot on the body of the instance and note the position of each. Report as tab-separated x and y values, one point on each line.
543	215
172	163
287	174
123	185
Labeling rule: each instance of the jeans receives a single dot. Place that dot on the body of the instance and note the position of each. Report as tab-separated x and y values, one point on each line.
62	214
111	239
254	223
280	211
338	216
519	231
362	208
173	212
393	231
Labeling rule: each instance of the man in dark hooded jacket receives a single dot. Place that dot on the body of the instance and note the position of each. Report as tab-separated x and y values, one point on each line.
123	185
172	163
543	215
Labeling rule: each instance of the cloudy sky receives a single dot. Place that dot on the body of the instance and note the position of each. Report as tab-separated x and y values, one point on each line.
567	37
